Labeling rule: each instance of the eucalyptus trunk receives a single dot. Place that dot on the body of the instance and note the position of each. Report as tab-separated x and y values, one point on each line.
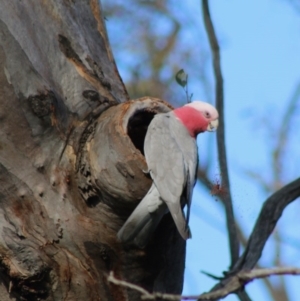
71	161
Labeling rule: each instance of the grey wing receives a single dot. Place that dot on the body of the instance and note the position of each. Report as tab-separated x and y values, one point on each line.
166	165
188	147
143	221
190	185
192	162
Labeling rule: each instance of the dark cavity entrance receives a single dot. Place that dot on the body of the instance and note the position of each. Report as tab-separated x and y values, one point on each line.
137	128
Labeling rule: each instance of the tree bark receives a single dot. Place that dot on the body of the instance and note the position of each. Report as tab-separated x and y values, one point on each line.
71	161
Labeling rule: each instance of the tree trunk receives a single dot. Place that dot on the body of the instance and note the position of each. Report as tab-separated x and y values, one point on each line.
71	161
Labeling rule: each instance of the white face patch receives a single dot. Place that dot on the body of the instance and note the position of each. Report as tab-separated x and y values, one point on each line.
204	107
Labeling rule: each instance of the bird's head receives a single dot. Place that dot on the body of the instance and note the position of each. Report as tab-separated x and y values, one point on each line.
198	117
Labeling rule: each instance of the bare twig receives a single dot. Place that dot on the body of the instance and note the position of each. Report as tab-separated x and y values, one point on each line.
227	200
111	278
234	284
266	222
238	281
145	295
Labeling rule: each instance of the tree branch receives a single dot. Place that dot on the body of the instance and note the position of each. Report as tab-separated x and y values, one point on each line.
202	177
266	222
227	200
236	282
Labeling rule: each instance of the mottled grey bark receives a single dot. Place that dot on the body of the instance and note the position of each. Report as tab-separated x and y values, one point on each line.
71	162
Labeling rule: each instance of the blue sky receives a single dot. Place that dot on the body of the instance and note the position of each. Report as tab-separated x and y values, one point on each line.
260	47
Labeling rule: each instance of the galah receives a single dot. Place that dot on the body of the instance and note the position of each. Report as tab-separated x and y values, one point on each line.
171	154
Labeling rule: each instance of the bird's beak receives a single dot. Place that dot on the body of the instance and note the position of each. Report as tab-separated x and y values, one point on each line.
213	125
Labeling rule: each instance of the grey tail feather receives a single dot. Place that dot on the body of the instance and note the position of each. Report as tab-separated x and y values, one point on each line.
144	235
189	192
179	220
141	224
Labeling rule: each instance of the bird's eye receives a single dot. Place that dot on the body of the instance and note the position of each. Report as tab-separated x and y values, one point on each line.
207	115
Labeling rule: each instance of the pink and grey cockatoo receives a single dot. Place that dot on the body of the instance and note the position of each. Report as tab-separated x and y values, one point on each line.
171	155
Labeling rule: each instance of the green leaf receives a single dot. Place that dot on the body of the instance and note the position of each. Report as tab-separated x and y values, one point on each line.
181	78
